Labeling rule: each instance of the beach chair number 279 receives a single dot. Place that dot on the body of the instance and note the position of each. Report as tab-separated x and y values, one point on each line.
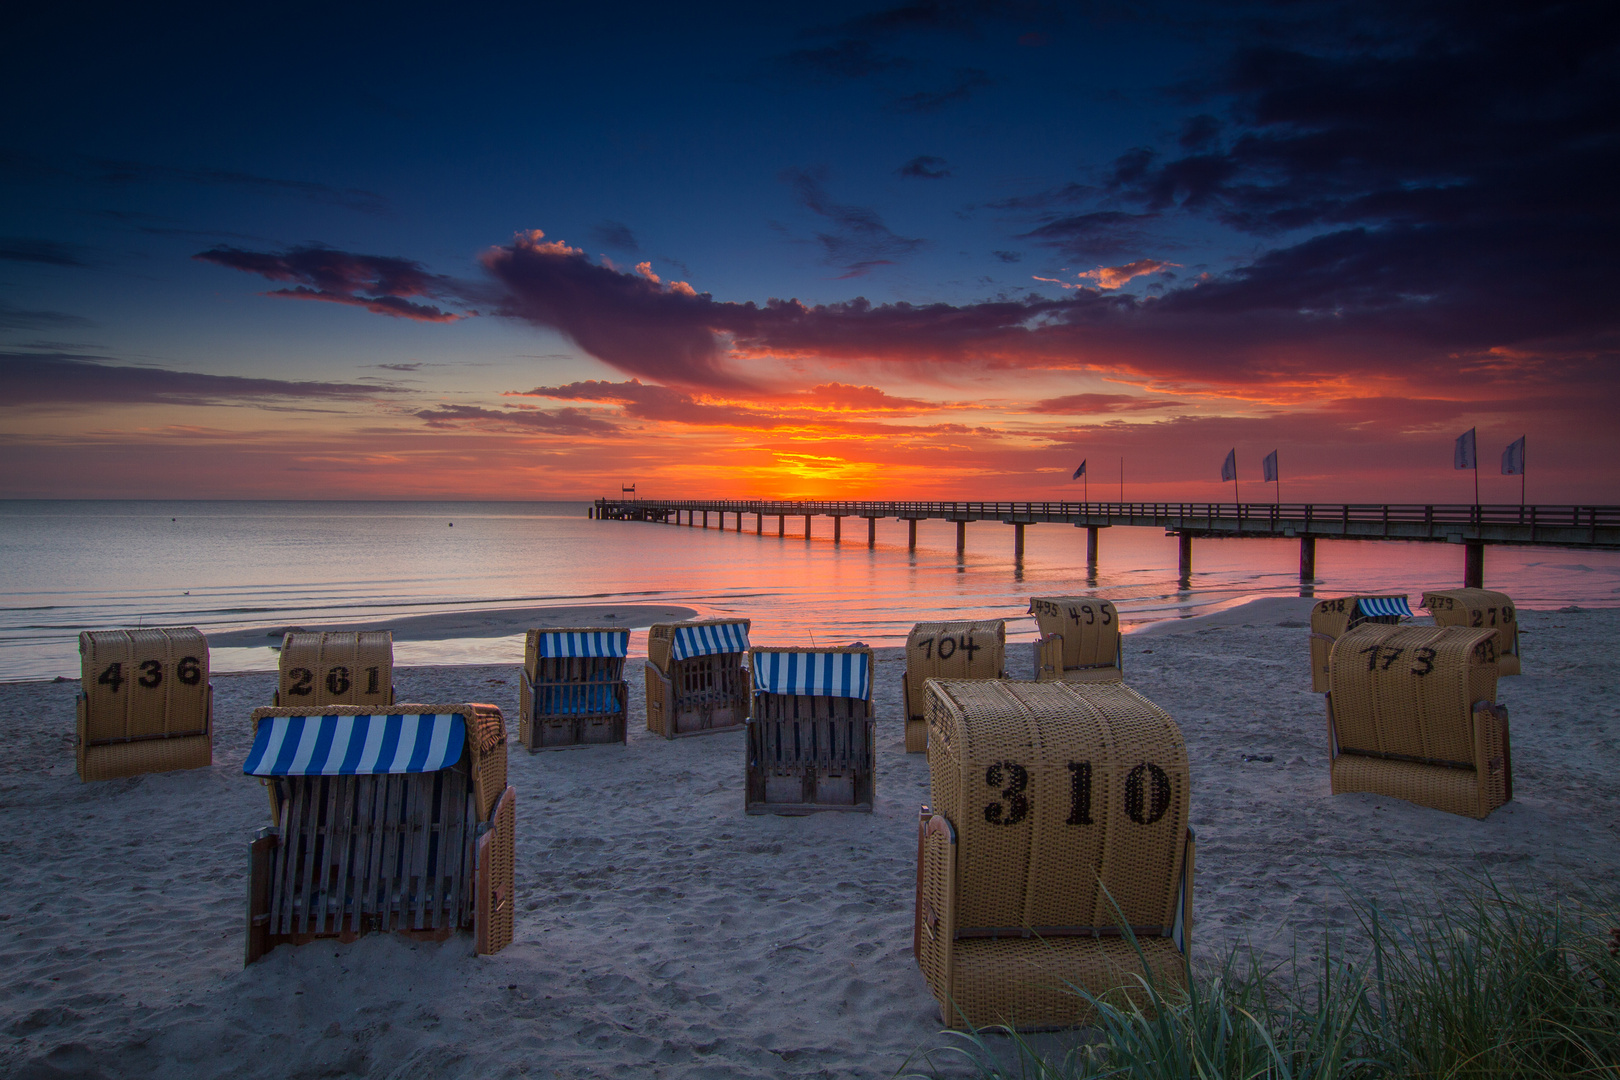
337	681
187	670
1147	793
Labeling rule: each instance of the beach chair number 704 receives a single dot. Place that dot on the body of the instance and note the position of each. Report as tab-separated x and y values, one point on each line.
948	646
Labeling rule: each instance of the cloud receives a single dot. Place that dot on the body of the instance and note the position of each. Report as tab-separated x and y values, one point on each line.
859	240
615	235
1009	256
925	167
342	278
15	318
1113	277
965	82
1089	404
34	249
848	58
1097	234
41	378
558	422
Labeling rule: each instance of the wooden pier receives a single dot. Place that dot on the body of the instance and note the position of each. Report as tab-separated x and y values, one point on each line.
1469	526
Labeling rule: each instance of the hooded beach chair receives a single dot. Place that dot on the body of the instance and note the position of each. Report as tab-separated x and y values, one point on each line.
696	681
947	650
810	735
145	703
1412	714
1079	640
1479	608
340	667
573	692
1057	830
1330	618
398	821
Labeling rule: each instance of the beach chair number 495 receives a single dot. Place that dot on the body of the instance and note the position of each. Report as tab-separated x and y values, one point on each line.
188	671
1082	614
1147	793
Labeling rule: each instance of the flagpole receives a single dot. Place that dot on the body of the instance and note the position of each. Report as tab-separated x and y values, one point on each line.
1524	462
1122	481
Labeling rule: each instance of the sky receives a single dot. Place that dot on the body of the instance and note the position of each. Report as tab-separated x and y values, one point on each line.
930	250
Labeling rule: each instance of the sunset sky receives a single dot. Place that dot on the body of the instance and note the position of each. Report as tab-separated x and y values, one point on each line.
935	250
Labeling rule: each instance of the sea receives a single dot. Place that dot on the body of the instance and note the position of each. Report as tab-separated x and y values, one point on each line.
67	566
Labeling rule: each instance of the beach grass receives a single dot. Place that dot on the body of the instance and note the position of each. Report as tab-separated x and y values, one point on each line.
1501	987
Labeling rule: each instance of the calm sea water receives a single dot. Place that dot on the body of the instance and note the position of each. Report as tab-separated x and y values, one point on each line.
70	566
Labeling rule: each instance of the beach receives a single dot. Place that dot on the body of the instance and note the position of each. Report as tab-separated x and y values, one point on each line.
663	932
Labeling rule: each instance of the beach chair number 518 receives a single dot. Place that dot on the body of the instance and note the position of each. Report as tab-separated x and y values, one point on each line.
1147	793
188	671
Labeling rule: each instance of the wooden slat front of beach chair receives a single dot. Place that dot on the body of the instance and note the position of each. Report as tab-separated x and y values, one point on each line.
1080	640
572	691
1057	832
697	682
947	650
1479	609
810	738
1330	618
145	703
340	667
1412	715
399	822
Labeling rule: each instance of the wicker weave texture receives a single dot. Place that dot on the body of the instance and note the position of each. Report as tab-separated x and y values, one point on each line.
1410	690
916	735
699	695
1063	796
337	668
497	880
1469	792
952	650
585	702
1088	625
1329	619
1480	608
142	684
661	637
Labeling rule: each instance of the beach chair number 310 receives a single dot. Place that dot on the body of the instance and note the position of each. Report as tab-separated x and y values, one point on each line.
187	670
1147	793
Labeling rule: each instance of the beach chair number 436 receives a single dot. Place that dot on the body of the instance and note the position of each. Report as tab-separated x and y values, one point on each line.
187	670
337	681
1147	793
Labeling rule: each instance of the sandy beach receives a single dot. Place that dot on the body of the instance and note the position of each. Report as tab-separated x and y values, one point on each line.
662	932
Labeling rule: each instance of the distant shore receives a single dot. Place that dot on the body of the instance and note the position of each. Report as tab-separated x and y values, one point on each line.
498	622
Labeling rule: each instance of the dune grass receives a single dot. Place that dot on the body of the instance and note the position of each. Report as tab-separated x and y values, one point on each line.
1502	987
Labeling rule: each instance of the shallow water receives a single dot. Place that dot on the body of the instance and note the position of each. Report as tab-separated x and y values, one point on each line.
68	566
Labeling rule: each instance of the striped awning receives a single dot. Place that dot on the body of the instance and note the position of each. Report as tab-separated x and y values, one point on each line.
814	674
356	745
690	641
584	643
1383	605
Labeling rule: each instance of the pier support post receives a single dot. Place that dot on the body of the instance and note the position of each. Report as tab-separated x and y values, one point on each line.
961	537
1091	548
1307	559
838	528
911	540
1474	566
590	511
759	524
781	524
706	519
871	532
1018	540
1186	558
739	521
807	526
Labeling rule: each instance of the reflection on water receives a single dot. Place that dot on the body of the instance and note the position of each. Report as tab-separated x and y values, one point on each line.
219	566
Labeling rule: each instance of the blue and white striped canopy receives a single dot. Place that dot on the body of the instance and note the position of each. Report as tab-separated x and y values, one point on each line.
584	642
356	745
1383	605
709	640
814	674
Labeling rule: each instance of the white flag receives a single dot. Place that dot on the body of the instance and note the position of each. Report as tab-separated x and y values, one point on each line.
1462	456
1078	473
1513	458
1269	466
1229	466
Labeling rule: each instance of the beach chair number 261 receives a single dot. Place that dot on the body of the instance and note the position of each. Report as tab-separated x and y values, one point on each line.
337	681
1147	793
188	671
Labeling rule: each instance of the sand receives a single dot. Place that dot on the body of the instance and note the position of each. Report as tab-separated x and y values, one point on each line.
661	931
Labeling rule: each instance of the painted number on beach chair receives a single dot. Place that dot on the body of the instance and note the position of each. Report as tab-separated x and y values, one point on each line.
337	680
1086	615
1079	793
301	681
112	677
188	670
948	646
371	680
1146	806
1016	779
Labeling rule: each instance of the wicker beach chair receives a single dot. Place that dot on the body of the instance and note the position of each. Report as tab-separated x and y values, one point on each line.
1058	820
810	735
400	822
573	692
1479	608
947	650
1412	715
1079	640
696	680
1330	618
352	667
145	703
